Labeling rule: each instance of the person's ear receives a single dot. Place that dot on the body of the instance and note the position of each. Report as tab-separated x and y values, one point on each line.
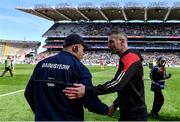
75	49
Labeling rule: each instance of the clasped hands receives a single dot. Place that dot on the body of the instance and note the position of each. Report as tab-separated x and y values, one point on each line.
78	91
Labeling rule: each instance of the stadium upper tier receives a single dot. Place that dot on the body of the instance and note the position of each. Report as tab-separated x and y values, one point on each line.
107	12
103	29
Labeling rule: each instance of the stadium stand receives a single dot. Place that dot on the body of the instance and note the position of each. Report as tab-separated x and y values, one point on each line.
149	28
142	36
17	48
103	29
93	57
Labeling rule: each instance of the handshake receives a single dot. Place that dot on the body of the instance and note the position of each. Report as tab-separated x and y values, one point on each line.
112	109
78	91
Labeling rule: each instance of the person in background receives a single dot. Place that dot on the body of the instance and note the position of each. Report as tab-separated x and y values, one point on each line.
8	66
158	75
101	62
13	64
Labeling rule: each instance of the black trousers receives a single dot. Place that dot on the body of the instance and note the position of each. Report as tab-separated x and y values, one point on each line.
137	115
158	101
6	70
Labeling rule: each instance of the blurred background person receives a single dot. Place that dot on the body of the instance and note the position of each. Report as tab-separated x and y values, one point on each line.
158	75
8	66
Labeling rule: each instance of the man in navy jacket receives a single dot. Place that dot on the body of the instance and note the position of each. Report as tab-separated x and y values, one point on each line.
51	75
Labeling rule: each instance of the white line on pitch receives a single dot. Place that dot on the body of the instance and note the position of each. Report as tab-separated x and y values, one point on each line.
10	93
2	95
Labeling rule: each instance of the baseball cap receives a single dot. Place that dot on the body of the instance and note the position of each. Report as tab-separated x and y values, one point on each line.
74	39
161	59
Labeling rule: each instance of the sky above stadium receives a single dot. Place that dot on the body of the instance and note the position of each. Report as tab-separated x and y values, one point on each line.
17	25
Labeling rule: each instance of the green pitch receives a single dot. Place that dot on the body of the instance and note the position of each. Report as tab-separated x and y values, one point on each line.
14	106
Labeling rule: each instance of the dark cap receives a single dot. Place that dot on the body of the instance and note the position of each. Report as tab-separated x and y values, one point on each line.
161	59
74	39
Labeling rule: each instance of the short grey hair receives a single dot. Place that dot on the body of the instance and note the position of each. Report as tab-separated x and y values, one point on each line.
119	33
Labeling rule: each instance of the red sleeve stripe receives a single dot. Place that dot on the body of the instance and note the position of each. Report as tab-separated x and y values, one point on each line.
117	81
128	60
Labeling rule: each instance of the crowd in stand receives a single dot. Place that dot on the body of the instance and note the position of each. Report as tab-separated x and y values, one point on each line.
94	57
103	29
171	58
131	29
39	57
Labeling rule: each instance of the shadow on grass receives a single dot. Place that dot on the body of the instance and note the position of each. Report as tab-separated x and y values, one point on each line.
16	80
169	118
116	114
161	117
165	118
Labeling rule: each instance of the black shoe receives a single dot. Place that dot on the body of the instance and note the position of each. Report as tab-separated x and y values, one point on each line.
154	115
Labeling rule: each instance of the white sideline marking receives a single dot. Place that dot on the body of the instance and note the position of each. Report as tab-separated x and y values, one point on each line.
2	95
10	93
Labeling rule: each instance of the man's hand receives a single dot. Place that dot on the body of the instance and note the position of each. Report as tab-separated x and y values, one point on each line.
75	92
112	109
168	76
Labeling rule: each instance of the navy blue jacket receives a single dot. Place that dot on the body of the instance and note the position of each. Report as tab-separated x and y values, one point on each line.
44	90
158	77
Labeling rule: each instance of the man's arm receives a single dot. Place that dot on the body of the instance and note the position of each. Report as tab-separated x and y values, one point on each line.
122	78
113	107
92	103
167	75
131	63
155	73
29	90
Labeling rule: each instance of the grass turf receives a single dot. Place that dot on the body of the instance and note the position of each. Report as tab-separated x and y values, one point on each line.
14	107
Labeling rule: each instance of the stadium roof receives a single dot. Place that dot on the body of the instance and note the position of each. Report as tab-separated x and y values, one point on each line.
30	44
106	12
